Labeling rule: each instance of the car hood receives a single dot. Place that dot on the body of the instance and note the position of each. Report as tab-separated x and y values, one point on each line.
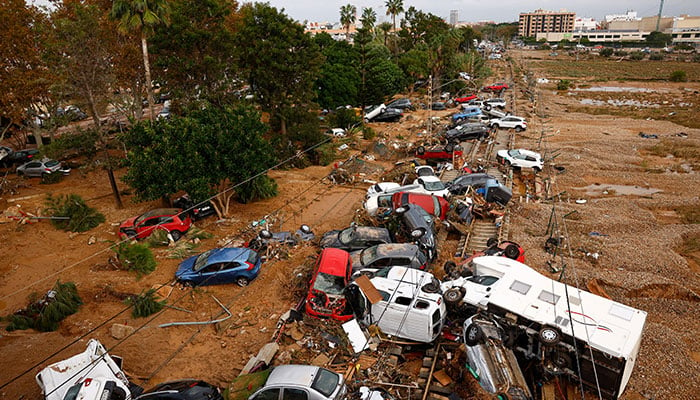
129	223
502	153
185	268
330	239
356	260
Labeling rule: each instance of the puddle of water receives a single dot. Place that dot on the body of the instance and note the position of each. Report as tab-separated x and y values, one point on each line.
629	190
619	103
628	89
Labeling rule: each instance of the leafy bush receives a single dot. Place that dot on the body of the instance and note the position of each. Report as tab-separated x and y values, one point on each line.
260	188
158	238
678	76
563	84
620	53
80	217
82	143
136	257
343	118
606	52
325	154
47	179
368	133
144	304
656	57
45	313
637	55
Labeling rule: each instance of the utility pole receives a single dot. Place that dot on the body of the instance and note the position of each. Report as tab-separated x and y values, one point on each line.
430	107
658	18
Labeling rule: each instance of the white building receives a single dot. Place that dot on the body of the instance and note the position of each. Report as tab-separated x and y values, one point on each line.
584	24
629	16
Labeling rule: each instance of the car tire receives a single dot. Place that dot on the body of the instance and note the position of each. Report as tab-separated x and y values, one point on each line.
519	128
549	336
496	126
449	267
459	120
242	281
537	169
512	251
473	335
449	148
176	235
453	295
420	150
131	234
491	242
487	107
432	287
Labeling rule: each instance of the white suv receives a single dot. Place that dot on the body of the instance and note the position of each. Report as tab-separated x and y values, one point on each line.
520	158
509	121
302	382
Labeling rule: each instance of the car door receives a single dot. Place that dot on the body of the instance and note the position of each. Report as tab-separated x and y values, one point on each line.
215	273
296	394
267	394
147	226
33	169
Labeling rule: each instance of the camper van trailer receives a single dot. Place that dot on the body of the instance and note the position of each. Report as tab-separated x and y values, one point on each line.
403	302
587	337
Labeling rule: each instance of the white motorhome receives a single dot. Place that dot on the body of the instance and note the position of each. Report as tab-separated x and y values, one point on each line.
590	338
92	374
402	302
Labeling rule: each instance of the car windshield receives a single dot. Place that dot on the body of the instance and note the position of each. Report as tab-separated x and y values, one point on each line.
51	163
514	153
325	381
201	261
346	236
433	185
329	284
368	255
486	280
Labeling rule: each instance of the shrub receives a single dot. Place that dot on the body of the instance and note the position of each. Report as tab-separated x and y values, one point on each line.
637	55
343	118
71	214
260	188
325	154
563	84
82	143
144	304
136	257
45	313
606	52
368	133
678	76
47	179
620	53
656	57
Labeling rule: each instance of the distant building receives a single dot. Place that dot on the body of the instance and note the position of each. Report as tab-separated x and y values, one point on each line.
454	17
585	24
628	16
543	21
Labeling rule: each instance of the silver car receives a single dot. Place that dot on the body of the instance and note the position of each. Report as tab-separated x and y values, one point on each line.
301	382
40	168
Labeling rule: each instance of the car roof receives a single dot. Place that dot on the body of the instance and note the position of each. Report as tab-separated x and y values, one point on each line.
226	254
334	261
302	375
396	249
161	211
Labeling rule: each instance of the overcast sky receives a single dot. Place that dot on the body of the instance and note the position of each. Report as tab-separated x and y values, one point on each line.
480	10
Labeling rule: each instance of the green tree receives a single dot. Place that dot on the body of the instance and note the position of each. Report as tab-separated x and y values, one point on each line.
279	60
368	19
142	16
204	153
506	32
394	8
658	39
383	78
385	27
469	35
348	15
339	79
194	54
606	52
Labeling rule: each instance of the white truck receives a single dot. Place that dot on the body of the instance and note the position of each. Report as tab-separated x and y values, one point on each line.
90	375
568	331
402	302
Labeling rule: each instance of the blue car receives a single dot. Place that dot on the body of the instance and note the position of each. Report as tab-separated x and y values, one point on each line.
219	266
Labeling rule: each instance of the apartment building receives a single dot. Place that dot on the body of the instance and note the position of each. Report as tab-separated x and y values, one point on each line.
543	21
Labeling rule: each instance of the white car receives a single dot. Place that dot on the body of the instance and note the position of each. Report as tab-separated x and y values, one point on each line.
336	132
521	158
496	102
509	122
431	185
425	170
382	187
374	111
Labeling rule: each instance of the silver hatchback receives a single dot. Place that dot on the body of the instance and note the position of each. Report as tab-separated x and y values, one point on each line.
301	382
39	168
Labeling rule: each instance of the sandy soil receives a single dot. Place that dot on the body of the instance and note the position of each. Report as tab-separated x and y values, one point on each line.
637	263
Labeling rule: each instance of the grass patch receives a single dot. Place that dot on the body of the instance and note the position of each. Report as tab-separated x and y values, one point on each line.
690	215
611	70
678	148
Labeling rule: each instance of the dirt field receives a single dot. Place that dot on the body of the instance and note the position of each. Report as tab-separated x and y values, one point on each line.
635	233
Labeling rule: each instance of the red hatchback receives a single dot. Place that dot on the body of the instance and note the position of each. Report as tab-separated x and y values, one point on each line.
172	220
466	99
434	205
332	274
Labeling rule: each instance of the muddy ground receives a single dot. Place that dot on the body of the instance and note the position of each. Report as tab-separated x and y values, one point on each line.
634	234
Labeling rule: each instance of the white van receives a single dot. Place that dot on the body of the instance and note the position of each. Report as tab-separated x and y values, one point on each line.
401	301
590	338
90	375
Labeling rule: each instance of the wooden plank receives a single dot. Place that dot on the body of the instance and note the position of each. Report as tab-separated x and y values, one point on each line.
442	377
368	289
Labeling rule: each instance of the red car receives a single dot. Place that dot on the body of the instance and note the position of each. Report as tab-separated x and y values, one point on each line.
326	298
434	205
439	153
496	87
172	220
466	99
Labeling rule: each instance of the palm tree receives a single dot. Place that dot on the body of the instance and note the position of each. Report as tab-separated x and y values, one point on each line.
368	19
385	27
142	16
394	8
348	15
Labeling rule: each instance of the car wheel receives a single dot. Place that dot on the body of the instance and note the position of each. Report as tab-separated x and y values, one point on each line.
449	148
176	235
420	150
549	335
431	287
496	126
459	120
242	281
512	251
519	128
537	169
487	107
131	234
491	242
473	335
449	267
453	295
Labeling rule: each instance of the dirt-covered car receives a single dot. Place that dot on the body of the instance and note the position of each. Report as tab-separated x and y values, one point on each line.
467	131
355	237
220	266
462	183
325	298
387	255
40	168
183	389
419	227
173	220
439	153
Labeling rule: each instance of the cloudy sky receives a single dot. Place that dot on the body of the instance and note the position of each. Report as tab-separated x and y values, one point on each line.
489	10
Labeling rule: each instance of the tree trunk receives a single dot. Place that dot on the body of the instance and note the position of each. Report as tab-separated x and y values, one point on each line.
147	68
110	171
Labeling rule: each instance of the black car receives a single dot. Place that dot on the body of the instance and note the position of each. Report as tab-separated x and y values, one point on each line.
468	131
438	105
460	184
389	115
420	227
197	211
186	389
20	157
355	238
401	104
